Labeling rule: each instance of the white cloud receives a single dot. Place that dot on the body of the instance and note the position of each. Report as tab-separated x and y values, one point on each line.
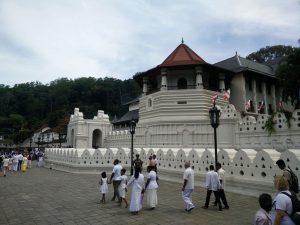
44	40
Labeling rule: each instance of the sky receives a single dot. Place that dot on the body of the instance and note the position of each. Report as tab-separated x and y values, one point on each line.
45	40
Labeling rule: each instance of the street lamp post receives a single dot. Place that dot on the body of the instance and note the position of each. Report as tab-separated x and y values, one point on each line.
48	136
39	139
132	131
59	137
214	114
30	142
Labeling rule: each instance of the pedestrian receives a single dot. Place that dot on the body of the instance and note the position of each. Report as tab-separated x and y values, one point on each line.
116	178
262	216
5	165
24	165
282	204
20	158
151	188
289	174
15	162
103	186
212	185
137	183
10	163
221	172
137	163
188	187
29	157
123	188
1	161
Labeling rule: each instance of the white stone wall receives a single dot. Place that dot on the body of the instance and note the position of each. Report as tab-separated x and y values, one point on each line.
244	164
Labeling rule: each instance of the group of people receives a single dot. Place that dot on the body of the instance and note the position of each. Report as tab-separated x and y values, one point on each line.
280	210
137	183
215	182
17	161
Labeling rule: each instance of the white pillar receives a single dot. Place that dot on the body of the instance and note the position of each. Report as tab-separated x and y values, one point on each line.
199	82
222	82
264	90
145	85
164	79
273	92
254	95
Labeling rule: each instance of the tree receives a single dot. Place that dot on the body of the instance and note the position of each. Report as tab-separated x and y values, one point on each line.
270	53
288	74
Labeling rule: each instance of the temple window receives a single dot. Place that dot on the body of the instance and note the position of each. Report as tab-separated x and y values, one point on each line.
182	83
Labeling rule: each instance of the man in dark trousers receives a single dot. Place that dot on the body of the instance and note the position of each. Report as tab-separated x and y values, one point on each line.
221	172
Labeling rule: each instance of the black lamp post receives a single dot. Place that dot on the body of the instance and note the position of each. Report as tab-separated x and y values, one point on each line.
30	142
39	139
59	137
132	131
48	136
214	114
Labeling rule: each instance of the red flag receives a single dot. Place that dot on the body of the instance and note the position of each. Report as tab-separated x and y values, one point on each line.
247	105
227	95
214	98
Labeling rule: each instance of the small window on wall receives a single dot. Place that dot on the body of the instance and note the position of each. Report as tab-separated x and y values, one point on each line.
149	102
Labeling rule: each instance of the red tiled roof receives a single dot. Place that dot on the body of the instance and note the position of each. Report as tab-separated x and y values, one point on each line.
182	55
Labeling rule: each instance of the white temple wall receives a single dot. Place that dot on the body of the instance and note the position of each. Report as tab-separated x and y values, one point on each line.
249	166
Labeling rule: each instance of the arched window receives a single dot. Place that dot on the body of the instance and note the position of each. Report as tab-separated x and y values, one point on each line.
182	83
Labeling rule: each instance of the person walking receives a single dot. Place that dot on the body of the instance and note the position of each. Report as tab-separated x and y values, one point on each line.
188	187
116	179
151	188
262	216
103	186
5	165
288	173
138	163
282	204
212	185
221	172
137	183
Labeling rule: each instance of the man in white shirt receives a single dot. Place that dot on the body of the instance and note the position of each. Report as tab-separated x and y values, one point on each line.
188	187
212	185
116	178
221	173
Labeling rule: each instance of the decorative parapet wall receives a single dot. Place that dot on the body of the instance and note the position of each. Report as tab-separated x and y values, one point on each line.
245	165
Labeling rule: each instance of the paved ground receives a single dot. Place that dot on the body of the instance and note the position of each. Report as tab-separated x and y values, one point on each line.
43	196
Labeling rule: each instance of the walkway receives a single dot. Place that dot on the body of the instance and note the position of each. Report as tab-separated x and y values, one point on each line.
43	196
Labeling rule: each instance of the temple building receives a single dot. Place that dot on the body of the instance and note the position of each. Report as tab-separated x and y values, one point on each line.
177	95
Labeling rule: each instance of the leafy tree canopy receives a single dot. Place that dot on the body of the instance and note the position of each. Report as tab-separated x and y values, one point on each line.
29	106
270	53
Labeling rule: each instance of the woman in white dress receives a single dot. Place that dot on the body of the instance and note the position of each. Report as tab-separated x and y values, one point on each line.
150	187
103	186
137	182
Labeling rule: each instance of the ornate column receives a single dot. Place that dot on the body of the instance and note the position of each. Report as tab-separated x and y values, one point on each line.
222	82
145	85
264	90
164	73
273	92
199	73
254	95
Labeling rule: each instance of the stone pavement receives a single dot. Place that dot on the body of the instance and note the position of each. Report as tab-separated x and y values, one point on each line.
43	196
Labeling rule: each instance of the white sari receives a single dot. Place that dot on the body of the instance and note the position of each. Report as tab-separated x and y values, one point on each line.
136	193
